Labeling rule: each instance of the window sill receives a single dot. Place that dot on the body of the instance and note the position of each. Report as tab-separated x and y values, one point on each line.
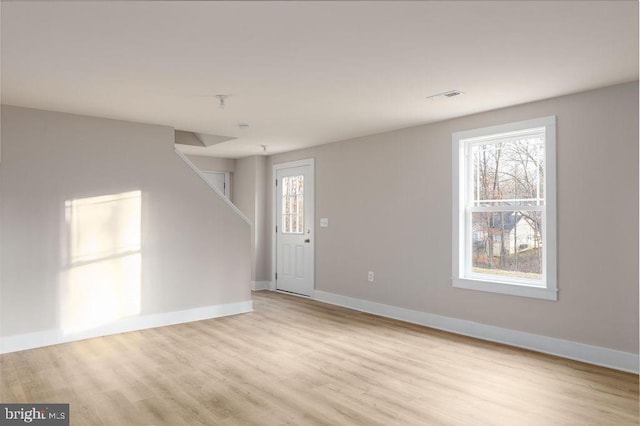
503	288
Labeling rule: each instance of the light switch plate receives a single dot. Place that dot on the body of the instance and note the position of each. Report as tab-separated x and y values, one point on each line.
324	222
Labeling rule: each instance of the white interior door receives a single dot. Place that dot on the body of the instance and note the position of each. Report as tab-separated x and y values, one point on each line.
295	229
220	180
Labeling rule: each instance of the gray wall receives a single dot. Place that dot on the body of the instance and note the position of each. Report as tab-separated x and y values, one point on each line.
243	195
195	250
213	164
262	236
388	200
249	196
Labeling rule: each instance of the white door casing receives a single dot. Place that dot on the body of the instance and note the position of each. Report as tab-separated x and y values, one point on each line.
295	236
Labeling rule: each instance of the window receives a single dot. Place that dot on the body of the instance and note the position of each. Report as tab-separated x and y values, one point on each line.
293	204
504	209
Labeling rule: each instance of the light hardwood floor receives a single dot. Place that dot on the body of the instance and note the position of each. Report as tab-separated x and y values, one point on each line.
299	362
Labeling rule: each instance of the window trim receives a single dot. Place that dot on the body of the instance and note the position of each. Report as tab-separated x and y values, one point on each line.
549	290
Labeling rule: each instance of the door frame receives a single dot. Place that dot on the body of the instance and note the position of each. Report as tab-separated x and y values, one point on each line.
274	200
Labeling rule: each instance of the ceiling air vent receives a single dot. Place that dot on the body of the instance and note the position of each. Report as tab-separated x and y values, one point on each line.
449	94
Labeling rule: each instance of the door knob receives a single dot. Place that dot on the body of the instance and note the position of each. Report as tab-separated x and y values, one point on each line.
307	240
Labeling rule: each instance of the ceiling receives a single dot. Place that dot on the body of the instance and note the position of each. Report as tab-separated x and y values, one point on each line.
306	73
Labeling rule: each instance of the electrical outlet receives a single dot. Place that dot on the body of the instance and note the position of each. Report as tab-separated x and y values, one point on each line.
371	276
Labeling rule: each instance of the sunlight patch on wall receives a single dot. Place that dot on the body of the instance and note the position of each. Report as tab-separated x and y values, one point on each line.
101	279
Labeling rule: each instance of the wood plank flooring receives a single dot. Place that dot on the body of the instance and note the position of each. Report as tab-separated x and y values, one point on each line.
299	362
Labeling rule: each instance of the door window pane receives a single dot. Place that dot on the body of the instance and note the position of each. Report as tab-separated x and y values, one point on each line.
293	204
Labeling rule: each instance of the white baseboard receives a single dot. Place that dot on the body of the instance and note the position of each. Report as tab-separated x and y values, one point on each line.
52	337
597	355
260	285
272	285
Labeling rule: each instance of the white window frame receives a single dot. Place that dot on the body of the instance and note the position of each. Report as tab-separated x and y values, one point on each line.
461	278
